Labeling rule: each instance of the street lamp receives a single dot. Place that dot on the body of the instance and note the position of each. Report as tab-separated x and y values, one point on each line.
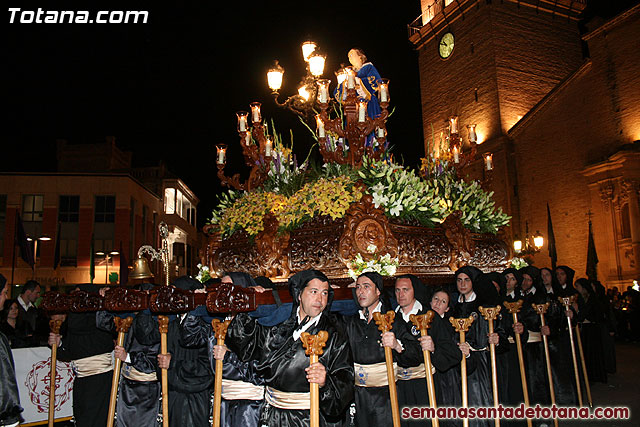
531	244
106	260
43	238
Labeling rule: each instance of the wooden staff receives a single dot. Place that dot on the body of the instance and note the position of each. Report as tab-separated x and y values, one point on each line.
220	332
384	322
461	326
422	323
163	327
313	345
122	326
514	308
54	326
584	366
541	309
567	301
490	314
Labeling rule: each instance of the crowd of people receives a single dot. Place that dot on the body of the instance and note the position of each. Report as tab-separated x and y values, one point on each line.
266	373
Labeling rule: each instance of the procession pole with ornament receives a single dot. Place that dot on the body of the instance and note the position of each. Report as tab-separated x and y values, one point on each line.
514	309
220	332
566	302
122	326
422	322
541	309
384	322
54	326
490	314
584	365
313	345
461	325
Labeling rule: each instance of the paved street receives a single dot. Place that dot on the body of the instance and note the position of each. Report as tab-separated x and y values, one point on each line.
622	389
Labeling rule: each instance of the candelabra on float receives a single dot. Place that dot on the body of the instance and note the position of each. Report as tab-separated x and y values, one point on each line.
345	139
257	149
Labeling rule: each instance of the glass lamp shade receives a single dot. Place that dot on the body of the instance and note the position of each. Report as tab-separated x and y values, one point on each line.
308	48
341	75
274	77
538	240
316	65
221	154
304	93
517	245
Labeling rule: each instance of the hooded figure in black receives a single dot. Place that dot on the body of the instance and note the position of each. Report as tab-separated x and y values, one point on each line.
509	364
534	292
591	316
412	385
89	349
281	360
565	277
189	373
474	290
10	408
139	390
242	388
372	401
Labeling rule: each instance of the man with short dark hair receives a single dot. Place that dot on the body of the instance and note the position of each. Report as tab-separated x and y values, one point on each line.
28	314
282	362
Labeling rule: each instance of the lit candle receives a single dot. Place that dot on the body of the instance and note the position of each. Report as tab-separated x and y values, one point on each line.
255	112
488	161
362	111
380	133
268	147
242	120
320	124
456	154
472	134
454	124
351	78
247	138
222	154
384	90
323	91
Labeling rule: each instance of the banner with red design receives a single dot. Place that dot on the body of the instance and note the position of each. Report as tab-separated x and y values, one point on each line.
33	369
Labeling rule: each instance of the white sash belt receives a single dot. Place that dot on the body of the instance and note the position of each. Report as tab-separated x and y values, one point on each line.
534	336
413	372
131	373
374	375
287	399
93	365
238	390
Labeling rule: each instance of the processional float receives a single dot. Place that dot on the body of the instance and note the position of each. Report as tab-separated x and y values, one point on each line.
432	254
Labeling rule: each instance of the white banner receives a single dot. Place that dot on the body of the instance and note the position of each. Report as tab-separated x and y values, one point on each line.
33	369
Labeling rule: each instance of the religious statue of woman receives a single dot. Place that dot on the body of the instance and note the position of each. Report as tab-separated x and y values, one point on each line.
367	82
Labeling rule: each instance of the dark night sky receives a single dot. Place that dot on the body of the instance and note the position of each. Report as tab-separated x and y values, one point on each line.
169	89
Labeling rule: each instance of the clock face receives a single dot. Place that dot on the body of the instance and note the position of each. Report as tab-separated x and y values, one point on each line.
445	47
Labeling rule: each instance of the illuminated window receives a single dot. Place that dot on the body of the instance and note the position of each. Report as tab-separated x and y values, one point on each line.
169	200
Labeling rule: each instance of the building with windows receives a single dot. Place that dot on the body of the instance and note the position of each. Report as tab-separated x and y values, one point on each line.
94	208
554	94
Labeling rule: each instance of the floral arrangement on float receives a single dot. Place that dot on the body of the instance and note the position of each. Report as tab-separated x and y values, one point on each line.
384	265
296	193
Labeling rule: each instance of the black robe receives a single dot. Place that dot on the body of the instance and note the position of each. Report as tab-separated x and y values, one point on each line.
591	318
190	379
479	383
373	405
10	408
444	359
237	412
281	361
138	401
564	382
82	338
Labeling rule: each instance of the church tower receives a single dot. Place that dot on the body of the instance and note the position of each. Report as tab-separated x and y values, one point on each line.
489	62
